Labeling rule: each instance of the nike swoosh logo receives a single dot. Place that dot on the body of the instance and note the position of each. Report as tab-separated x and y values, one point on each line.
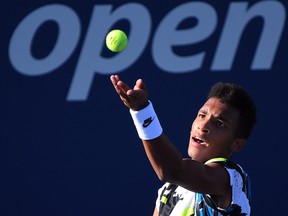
147	122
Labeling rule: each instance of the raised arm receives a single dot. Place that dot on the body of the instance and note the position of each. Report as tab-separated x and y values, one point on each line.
162	154
165	159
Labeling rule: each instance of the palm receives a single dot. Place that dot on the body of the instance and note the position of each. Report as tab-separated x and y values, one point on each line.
136	98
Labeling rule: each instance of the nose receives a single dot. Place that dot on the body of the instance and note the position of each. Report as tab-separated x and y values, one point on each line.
203	126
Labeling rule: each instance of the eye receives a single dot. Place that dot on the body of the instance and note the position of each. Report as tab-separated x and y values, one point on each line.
201	115
219	123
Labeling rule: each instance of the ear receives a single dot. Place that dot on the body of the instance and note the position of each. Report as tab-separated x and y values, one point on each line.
238	145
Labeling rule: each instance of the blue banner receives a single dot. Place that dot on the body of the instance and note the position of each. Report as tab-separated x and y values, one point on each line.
68	144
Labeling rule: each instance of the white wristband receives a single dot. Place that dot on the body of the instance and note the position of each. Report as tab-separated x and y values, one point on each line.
147	123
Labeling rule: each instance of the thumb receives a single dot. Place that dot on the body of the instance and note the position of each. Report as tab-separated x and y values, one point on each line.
140	85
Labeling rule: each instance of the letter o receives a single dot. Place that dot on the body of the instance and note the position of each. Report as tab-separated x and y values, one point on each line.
20	45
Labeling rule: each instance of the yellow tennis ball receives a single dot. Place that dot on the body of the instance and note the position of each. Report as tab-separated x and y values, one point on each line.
116	40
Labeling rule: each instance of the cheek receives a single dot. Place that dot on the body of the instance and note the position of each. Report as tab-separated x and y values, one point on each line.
193	125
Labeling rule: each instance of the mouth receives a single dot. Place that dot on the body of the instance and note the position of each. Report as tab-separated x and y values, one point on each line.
199	141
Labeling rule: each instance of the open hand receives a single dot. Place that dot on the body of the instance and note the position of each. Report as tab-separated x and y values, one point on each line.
136	98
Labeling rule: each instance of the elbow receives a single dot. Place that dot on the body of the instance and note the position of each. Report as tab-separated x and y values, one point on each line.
161	176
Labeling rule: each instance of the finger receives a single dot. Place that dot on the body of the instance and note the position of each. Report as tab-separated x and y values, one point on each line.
114	81
123	86
138	90
135	91
140	85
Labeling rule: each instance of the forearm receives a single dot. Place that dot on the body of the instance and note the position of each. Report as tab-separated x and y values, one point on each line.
165	159
162	154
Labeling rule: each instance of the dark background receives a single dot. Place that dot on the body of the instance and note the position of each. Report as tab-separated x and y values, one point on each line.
61	157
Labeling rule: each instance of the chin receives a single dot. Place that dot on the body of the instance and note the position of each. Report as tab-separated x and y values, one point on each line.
193	154
196	155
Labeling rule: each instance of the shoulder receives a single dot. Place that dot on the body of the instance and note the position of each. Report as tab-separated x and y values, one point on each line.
238	176
241	191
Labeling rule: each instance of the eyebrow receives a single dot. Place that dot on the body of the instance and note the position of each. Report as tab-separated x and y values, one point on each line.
203	111
221	117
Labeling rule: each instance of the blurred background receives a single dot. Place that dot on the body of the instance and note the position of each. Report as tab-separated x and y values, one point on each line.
68	145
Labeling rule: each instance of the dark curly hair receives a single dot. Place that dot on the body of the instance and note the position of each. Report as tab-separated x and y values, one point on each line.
237	97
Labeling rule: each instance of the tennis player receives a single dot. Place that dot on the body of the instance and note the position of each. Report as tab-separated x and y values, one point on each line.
208	183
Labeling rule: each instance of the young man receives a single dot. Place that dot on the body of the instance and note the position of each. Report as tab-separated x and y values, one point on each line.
208	183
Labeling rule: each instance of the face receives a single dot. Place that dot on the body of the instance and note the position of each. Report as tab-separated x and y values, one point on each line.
213	132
